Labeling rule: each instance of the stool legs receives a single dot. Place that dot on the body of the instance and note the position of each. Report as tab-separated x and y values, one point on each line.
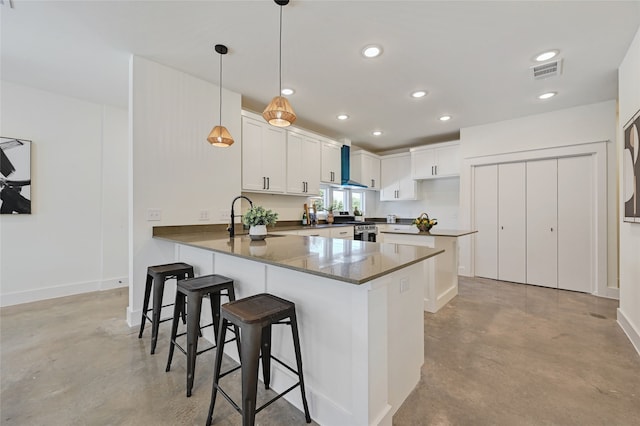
194	308
178	308
145	304
216	368
158	291
265	348
250	347
296	344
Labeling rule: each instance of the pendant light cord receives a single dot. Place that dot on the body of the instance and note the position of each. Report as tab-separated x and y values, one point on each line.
280	57
220	97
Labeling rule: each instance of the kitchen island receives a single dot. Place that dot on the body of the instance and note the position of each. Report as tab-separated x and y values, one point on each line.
359	307
441	283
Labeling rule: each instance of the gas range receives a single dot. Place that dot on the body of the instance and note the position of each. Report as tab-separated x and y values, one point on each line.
362	230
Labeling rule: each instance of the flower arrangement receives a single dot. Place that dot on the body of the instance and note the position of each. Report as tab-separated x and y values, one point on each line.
258	215
424	223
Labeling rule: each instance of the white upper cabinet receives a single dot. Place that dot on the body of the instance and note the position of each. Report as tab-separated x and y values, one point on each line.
435	161
365	168
303	165
263	156
331	162
396	180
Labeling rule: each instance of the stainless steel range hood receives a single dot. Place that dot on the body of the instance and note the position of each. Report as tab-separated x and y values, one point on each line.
346	181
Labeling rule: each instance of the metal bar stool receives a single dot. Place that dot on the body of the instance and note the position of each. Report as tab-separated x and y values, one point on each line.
194	289
156	277
255	315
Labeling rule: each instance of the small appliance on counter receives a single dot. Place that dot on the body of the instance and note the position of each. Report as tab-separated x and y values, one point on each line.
391	218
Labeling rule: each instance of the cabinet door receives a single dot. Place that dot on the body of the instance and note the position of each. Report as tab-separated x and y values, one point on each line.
252	175
274	158
311	166
295	180
447	161
485	206
575	224
389	178
423	163
512	223
542	227
372	172
330	163
407	187
344	232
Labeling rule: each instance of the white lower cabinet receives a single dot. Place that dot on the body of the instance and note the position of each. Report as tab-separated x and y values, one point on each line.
344	232
535	222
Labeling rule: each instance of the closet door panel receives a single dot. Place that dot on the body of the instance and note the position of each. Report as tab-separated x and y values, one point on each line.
575	224
542	228
512	222
486	221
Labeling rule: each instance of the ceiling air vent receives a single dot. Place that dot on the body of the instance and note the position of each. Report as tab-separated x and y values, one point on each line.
546	70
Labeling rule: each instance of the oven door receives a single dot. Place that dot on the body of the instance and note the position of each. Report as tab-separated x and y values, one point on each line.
364	236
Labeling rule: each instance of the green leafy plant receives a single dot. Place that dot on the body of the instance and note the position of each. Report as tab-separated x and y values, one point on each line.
336	205
258	215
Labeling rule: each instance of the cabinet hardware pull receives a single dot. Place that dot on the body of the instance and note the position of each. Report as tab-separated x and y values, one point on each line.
502	227
268	183
431	170
551	229
436	169
264	182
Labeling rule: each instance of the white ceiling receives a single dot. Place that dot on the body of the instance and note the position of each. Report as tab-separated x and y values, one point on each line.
472	57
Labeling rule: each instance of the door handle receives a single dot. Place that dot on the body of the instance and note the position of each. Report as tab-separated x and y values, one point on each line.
432	171
436	169
268	183
502	227
551	229
264	182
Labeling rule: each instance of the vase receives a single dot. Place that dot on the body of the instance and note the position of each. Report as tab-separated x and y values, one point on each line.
258	232
330	217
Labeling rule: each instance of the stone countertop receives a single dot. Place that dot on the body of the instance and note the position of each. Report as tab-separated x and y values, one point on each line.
435	232
355	262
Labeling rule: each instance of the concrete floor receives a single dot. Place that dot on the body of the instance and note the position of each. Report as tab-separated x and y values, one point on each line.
498	354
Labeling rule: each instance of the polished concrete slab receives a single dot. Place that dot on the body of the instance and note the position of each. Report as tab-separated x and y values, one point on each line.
497	354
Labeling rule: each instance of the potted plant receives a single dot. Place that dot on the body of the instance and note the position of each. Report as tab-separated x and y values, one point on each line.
424	223
257	218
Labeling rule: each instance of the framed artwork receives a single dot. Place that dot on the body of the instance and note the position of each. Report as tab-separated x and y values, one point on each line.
15	176
631	170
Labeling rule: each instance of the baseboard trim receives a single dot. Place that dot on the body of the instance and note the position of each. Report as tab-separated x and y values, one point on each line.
630	330
45	293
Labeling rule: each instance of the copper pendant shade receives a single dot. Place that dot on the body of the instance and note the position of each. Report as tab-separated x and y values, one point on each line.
220	136
279	112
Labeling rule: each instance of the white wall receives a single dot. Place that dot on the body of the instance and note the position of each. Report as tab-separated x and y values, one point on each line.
629	104
75	240
174	168
439	198
563	128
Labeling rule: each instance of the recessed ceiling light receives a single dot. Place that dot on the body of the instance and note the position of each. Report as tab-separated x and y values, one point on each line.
376	133
419	94
547	95
343	117
371	51
445	118
287	92
545	56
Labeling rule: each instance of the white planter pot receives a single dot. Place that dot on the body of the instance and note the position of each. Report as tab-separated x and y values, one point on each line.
258	232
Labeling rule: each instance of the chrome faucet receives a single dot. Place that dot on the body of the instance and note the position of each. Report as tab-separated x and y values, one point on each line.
231	228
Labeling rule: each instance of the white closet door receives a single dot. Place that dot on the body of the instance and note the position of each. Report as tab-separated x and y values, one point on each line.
486	221
512	222
575	224
542	228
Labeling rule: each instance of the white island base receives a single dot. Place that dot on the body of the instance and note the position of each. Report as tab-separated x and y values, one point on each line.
440	281
362	345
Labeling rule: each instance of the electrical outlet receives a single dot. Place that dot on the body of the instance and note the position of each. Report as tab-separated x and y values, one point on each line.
204	214
404	285
154	215
224	215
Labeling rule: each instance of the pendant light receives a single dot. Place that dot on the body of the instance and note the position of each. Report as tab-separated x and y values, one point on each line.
220	136
279	112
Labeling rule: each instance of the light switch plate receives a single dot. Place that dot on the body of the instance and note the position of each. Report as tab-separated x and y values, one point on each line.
204	214
404	285
154	215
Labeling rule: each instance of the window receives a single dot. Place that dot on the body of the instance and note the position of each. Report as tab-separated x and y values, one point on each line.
342	199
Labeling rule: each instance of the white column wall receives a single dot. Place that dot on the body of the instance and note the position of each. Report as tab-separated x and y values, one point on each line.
578	125
629	104
173	167
75	239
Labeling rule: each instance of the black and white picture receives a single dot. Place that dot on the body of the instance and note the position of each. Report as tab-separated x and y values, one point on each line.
15	176
631	170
